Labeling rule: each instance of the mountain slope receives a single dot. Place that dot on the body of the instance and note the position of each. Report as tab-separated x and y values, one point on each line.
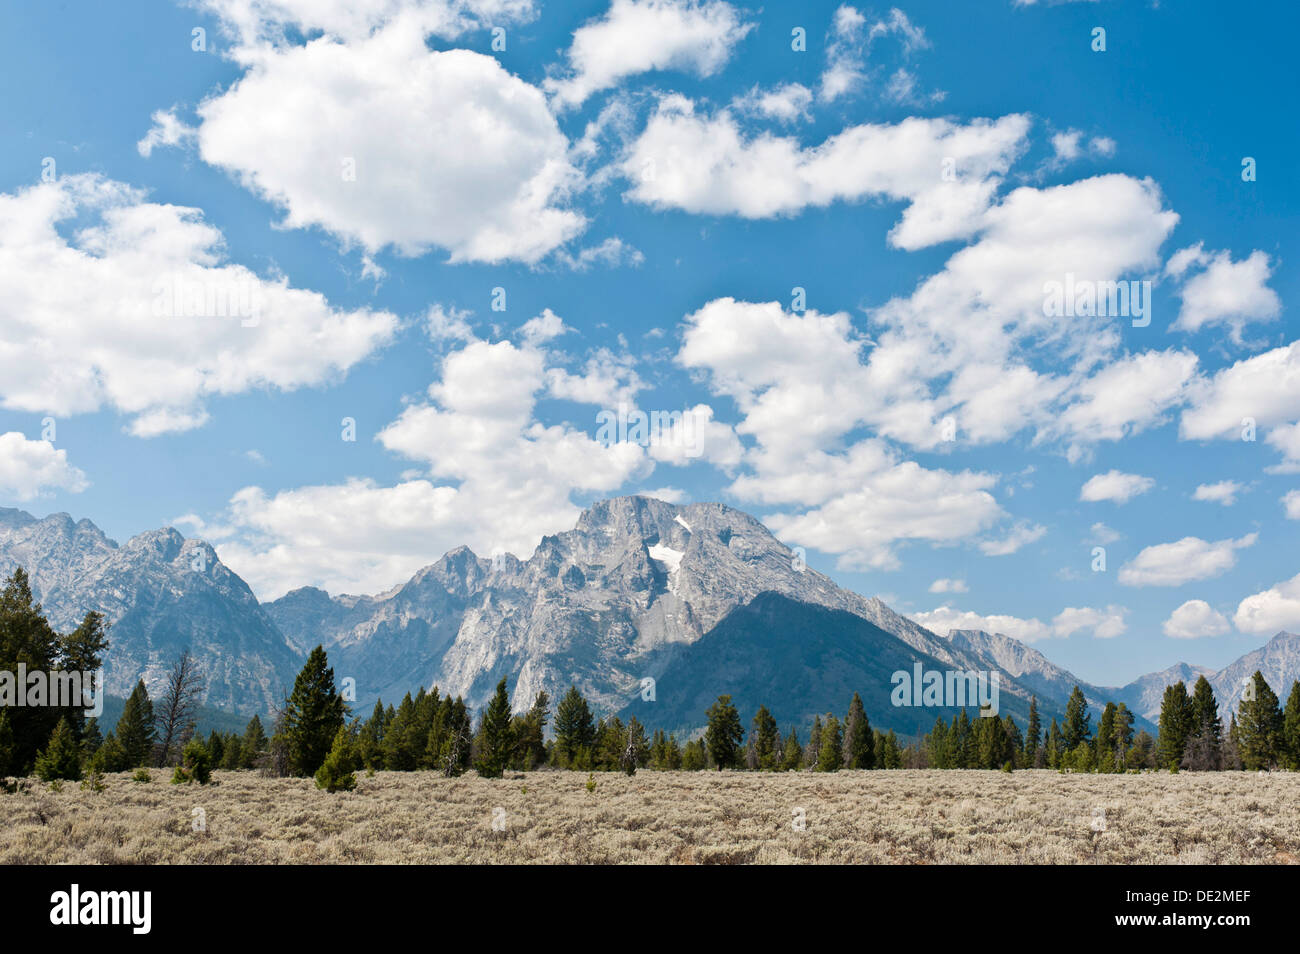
752	656
619	597
162	594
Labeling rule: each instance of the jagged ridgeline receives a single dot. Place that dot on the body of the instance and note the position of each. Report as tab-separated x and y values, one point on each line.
700	598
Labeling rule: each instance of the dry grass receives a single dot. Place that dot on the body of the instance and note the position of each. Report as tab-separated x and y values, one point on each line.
906	817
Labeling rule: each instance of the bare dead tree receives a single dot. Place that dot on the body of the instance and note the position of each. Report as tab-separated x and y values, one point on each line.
176	708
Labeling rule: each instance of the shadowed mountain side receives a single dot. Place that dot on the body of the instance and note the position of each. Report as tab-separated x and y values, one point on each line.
799	660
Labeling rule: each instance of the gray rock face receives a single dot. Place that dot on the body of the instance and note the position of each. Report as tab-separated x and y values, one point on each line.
1278	661
161	594
618	598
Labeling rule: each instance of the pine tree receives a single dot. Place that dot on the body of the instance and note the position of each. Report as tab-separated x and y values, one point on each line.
1032	733
454	753
1290	728
937	745
1231	752
530	742
232	756
1105	740
135	732
574	727
1259	727
891	757
1054	745
1175	725
336	773
1143	753
1077	728
313	716
1201	752
195	765
859	740
91	739
963	744
27	639
370	740
61	758
764	737
253	745
792	754
831	755
1123	735
1015	743
498	742
110	757
813	749
724	734
693	757
400	749
634	749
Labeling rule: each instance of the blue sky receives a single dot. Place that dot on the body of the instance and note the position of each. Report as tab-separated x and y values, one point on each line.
647	182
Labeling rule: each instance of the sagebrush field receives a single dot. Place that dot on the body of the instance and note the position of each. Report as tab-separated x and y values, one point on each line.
896	817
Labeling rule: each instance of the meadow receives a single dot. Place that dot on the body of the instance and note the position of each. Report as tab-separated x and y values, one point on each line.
858	817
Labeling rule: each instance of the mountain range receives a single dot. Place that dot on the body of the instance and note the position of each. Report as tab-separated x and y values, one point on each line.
645	606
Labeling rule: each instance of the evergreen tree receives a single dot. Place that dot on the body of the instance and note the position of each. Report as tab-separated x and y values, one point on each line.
530	743
1175	725
135	732
1015	744
91	739
1259	727
1231	751
891	757
574	727
61	758
813	749
370	740
792	754
693	757
859	740
336	773
1054	745
313	716
1290	728
1143	753
1201	753
196	764
937	745
963	743
253	746
635	749
1077	728
1123	735
1032	733
454	752
831	755
403	744
724	734
110	757
765	737
498	742
27	639
232	756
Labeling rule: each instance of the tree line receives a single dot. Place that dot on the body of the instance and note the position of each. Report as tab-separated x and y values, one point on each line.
314	733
